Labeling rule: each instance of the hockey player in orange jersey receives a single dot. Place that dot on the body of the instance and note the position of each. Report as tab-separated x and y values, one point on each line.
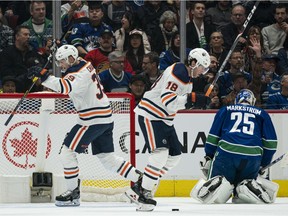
171	92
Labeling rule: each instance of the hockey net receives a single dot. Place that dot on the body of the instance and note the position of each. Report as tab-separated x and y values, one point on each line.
33	138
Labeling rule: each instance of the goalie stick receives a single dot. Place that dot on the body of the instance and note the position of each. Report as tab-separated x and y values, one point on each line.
273	162
208	92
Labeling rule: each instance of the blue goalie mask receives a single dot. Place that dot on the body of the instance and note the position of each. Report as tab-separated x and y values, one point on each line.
245	96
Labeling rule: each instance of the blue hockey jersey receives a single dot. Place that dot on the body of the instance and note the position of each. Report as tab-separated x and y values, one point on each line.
243	131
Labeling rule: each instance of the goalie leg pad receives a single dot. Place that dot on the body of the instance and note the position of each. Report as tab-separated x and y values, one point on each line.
251	192
215	190
270	187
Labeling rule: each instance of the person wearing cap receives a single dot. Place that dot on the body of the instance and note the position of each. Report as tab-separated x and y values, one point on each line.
115	79
8	84
270	80
137	87
85	36
136	50
99	56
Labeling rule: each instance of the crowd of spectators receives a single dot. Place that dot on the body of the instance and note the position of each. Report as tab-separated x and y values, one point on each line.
130	43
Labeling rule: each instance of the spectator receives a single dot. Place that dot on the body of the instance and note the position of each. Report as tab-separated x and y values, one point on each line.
172	55
85	36
274	35
216	47
6	34
175	7
136	50
71	11
122	34
236	62
198	30
254	32
239	82
114	11
162	35
99	56
137	87
8	84
283	57
148	16
235	27
115	79
213	101
279	100
41	29
270	79
150	68
220	14
18	58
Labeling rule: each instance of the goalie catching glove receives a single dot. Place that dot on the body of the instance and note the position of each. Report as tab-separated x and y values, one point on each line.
205	165
196	100
39	72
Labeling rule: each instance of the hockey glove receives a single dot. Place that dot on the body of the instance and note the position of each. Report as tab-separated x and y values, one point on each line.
36	71
264	174
205	165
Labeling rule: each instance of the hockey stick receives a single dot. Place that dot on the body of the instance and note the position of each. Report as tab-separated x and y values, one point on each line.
208	92
273	162
34	80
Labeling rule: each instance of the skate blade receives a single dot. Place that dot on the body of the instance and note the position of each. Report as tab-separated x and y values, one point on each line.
132	196
145	207
75	203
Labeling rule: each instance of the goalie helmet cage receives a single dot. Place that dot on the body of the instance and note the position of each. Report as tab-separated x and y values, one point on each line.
20	140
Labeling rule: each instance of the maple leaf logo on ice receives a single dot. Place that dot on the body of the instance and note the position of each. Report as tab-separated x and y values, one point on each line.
20	145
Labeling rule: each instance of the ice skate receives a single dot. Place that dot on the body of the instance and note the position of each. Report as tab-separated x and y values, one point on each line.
146	201
134	192
68	198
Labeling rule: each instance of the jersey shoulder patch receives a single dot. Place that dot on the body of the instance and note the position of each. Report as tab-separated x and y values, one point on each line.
180	71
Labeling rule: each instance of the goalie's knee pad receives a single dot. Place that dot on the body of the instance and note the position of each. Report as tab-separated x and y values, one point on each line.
68	157
215	190
250	191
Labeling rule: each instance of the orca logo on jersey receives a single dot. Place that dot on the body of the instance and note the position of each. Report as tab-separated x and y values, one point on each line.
20	144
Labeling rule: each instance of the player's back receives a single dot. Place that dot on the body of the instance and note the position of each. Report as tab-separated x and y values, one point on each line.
242	130
88	96
164	99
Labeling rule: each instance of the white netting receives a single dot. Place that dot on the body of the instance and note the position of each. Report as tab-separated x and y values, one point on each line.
20	139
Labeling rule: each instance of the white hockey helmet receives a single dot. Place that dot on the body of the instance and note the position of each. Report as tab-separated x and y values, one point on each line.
245	96
64	52
201	56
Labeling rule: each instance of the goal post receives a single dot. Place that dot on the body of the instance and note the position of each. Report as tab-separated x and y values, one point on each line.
32	140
